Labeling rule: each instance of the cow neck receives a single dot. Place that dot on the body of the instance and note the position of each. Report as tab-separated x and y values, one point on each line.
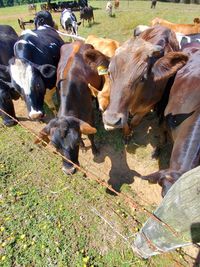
70	60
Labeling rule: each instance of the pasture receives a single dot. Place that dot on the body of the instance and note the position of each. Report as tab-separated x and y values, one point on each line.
50	219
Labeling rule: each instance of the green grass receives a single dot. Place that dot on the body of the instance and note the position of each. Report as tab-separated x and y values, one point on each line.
50	219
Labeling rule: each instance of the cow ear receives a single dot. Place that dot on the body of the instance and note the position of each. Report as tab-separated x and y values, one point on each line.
86	128
92	56
47	70
45	132
168	65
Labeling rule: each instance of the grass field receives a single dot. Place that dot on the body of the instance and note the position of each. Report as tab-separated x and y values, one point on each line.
50	219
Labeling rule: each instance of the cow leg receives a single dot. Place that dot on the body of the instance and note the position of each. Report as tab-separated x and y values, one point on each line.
7	111
95	150
48	99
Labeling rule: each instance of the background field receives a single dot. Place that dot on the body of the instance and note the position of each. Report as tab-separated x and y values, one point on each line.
50	219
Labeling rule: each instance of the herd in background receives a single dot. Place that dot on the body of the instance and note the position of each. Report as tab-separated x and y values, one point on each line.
157	68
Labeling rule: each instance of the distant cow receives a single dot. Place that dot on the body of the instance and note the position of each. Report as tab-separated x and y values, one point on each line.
43	18
33	67
69	22
75	116
32	7
109	7
8	37
116	4
73	5
86	13
153	3
180	28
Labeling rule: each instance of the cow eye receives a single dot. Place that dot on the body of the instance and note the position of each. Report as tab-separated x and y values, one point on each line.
143	78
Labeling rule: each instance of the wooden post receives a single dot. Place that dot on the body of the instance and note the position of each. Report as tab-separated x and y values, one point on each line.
180	213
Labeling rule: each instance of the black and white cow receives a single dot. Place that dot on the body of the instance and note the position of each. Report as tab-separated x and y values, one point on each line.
8	37
69	22
33	67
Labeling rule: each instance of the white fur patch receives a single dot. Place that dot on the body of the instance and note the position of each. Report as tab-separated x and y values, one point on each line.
34	114
22	75
28	31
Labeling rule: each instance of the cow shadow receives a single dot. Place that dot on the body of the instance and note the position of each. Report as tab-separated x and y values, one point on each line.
119	173
148	133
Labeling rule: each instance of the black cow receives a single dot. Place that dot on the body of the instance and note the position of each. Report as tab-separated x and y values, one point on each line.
86	13
33	68
43	18
8	37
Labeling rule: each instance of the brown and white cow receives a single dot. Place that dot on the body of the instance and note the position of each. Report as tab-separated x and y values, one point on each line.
182	116
139	72
75	114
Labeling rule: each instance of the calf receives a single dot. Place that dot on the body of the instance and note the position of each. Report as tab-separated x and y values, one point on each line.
33	67
69	22
86	13
8	37
75	114
32	7
182	116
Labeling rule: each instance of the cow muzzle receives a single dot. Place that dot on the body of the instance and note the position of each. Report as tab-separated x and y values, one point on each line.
35	115
113	121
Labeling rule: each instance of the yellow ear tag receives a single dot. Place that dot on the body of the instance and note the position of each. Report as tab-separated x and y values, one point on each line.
102	70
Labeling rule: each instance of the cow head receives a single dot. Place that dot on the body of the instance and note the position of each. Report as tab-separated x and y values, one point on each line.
65	134
28	80
100	63
138	74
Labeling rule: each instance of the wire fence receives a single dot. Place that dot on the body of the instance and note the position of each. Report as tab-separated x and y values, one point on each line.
107	208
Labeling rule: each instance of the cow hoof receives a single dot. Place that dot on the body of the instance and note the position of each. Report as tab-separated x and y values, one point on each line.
69	171
9	123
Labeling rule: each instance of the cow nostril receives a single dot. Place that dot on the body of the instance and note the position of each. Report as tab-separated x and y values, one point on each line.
118	123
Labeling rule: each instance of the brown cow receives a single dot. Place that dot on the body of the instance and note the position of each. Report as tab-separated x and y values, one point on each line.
180	28
75	115
182	116
139	73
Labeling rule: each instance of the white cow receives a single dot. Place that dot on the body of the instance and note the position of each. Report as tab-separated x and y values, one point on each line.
109	7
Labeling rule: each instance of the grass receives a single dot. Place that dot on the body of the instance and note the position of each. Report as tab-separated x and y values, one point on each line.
49	219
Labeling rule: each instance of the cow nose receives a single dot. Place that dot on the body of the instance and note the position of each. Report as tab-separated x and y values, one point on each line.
36	114
113	120
69	171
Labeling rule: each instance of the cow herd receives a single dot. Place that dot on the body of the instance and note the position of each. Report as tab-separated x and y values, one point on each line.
152	70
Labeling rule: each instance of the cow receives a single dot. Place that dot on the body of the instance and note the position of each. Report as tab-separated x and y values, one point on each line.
109	8
153	3
187	39
86	13
107	47
182	116
75	115
33	67
116	4
73	5
180	28
69	22
44	18
32	7
139	72
8	37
